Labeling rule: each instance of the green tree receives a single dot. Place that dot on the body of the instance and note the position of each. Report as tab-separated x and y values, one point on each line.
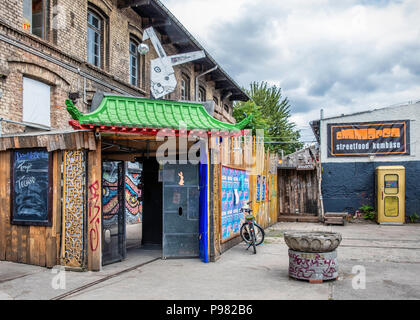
271	113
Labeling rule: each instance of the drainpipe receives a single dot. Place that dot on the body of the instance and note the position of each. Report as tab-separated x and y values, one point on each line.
199	76
319	170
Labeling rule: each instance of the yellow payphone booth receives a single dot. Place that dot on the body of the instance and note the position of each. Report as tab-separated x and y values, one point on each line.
390	194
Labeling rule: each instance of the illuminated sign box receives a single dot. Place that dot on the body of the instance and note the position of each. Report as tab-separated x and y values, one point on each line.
384	138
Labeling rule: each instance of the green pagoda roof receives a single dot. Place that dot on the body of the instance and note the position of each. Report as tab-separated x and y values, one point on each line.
131	112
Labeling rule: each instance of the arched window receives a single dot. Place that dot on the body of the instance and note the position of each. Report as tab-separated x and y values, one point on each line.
201	94
134	62
35	17
185	88
216	101
96	38
227	109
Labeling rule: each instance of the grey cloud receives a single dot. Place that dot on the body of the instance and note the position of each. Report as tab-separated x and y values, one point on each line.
322	71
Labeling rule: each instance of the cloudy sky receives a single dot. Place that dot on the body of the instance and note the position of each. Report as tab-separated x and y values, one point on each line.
342	56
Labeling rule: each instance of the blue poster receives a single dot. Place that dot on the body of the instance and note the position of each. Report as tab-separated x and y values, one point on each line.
263	188
258	188
235	194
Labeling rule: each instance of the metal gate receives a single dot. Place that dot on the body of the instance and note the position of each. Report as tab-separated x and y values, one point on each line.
181	211
113	212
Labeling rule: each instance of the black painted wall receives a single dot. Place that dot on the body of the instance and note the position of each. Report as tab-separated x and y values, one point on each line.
348	186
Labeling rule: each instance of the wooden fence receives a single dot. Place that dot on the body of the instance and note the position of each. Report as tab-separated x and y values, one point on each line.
244	153
298	192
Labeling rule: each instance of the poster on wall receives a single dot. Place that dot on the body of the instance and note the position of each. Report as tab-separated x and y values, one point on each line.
235	193
263	187
258	193
31	187
384	138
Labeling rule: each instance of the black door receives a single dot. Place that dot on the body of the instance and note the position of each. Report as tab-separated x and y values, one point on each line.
113	212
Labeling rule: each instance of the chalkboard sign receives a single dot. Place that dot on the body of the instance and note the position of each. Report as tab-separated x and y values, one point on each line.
31	187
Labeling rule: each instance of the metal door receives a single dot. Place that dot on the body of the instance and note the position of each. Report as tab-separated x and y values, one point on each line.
181	211
113	212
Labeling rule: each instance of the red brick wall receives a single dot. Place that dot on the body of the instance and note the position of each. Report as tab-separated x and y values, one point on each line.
66	41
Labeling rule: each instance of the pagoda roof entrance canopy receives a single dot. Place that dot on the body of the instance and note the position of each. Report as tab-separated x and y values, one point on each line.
123	114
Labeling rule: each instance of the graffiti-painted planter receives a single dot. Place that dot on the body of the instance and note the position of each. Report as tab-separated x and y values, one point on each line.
313	255
313	267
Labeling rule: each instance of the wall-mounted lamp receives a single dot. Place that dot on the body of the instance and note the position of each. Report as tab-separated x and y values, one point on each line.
143	49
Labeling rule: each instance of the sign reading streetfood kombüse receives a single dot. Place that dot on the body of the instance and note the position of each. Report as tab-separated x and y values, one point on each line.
384	138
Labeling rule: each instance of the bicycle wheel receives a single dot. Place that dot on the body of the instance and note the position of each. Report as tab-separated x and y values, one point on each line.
245	234
259	234
252	236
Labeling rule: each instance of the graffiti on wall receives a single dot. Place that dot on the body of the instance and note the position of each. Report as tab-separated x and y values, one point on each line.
132	193
110	205
133	205
94	215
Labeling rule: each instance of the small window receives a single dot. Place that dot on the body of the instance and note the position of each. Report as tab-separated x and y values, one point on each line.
227	109
391	184
34	17
134	63
201	94
95	25
36	102
391	207
216	101
185	88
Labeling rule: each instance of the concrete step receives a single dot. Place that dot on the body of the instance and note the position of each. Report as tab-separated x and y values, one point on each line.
336	214
334	220
298	218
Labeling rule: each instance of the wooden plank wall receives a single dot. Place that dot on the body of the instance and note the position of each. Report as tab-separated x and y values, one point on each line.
245	153
297	192
29	244
265	211
95	209
60	141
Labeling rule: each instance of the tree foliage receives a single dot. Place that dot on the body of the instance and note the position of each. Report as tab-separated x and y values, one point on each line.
271	113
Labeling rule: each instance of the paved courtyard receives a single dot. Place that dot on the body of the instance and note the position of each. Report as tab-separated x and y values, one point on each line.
390	256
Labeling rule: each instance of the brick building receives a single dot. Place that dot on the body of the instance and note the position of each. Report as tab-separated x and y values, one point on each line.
54	49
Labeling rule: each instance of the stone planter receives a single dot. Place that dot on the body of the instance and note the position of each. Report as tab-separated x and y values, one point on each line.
312	241
313	255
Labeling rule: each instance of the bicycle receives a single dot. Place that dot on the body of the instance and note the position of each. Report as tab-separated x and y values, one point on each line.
251	233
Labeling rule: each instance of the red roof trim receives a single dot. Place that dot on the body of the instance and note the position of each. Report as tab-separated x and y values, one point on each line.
152	132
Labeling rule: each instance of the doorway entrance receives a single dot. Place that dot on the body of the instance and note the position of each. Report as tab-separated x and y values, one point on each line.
148	206
113	212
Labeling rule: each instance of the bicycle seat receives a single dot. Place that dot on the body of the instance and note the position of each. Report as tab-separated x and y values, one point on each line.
249	217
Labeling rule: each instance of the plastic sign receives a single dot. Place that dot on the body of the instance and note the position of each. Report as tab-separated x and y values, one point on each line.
163	79
181	179
384	138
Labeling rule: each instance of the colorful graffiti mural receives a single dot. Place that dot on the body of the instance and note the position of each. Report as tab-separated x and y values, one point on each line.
132	193
133	205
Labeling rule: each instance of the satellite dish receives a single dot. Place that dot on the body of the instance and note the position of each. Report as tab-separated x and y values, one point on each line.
143	49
